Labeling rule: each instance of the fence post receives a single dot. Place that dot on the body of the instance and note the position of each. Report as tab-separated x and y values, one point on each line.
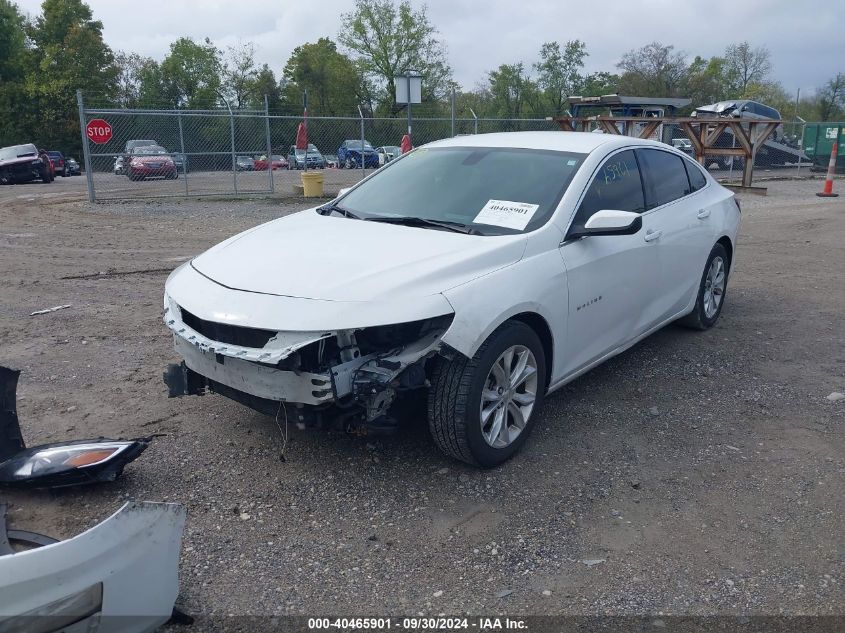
86	150
800	148
234	161
184	155
269	143
453	111
474	116
363	160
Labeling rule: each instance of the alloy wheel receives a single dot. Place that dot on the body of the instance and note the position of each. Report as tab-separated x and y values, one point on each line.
714	287
508	396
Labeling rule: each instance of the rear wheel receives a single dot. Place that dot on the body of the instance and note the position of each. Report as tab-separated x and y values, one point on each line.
481	409
348	164
711	291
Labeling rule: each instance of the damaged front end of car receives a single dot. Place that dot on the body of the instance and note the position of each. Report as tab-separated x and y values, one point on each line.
334	379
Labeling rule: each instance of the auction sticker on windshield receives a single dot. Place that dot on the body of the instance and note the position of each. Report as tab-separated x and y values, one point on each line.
511	215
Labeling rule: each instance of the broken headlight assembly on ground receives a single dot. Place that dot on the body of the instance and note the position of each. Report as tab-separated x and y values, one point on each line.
347	379
58	464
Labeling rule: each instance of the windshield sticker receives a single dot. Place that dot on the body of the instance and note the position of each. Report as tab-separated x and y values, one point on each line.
511	215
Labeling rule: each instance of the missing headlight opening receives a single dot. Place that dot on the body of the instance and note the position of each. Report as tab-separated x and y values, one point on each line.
346	379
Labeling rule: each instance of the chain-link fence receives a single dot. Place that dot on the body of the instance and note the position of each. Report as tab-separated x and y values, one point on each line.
168	153
164	153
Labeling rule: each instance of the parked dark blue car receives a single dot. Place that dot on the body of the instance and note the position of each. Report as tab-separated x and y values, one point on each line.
349	154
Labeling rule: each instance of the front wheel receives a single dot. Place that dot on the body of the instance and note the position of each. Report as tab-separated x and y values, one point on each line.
481	409
711	291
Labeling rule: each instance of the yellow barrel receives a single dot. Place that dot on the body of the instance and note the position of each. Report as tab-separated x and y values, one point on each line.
312	184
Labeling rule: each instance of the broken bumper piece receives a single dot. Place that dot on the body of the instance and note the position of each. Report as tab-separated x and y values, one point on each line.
119	576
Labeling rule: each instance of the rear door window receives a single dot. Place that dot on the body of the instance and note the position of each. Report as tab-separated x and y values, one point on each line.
617	186
696	177
664	177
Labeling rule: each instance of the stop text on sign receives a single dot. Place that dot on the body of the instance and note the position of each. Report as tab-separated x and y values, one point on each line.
99	131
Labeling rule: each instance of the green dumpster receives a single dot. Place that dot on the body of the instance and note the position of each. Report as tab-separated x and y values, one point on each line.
818	143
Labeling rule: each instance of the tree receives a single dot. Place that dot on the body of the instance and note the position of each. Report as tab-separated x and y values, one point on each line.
67	53
654	70
599	83
389	39
330	77
240	73
831	98
12	42
513	93
133	80
191	74
559	72
265	83
744	66
12	60
705	81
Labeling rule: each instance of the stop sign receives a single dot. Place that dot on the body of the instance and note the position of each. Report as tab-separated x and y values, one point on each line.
99	131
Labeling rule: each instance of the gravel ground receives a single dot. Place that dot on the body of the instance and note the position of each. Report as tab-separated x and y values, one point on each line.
698	473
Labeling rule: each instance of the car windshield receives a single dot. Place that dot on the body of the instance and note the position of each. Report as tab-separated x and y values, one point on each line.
244	159
150	150
495	190
276	157
357	145
17	151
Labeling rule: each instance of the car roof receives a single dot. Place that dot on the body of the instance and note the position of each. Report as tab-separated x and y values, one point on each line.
577	142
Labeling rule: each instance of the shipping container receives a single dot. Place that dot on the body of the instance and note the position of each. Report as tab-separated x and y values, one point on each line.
818	143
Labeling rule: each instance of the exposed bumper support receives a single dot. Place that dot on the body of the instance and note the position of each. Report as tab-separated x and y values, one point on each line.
250	377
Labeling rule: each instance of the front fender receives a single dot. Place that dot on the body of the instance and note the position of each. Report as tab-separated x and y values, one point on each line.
535	284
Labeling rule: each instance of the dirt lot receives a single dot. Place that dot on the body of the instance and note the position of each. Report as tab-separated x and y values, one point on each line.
706	471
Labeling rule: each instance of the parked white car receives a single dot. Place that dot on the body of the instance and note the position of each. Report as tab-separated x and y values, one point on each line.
489	270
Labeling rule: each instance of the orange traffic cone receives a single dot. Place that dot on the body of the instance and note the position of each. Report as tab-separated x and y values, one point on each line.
828	183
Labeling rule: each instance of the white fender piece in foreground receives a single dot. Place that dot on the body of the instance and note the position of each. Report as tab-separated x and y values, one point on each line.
121	575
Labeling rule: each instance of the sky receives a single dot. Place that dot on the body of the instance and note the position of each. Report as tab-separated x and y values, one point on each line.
805	39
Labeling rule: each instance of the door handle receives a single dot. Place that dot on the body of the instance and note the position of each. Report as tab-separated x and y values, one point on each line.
703	213
650	235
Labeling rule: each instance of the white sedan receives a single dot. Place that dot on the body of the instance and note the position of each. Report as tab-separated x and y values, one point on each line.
485	270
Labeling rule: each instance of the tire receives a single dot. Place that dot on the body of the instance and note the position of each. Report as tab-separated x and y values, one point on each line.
703	316
348	163
457	391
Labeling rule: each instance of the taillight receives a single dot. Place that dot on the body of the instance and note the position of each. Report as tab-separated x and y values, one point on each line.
738	207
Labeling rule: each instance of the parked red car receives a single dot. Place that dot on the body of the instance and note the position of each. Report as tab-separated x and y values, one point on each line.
59	163
151	161
278	162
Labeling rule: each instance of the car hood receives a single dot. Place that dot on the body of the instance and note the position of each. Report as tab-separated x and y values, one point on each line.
721	107
19	161
153	159
307	255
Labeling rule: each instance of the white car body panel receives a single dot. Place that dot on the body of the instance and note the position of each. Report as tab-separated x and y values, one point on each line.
310	276
398	262
134	554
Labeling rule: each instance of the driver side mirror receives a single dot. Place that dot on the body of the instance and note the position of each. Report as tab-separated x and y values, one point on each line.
610	222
